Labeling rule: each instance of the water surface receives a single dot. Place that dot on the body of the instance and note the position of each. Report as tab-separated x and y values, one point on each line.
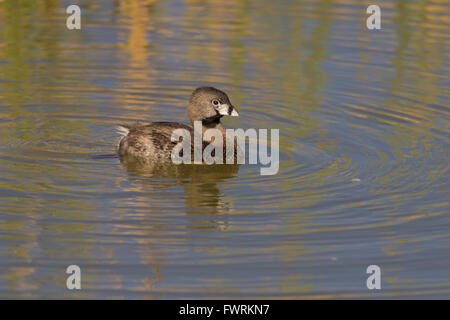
364	137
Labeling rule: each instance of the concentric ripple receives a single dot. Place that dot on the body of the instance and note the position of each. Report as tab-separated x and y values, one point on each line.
364	130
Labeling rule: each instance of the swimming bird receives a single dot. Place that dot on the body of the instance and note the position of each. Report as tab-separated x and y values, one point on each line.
153	141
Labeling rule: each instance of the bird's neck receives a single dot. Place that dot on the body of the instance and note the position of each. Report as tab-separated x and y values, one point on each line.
211	123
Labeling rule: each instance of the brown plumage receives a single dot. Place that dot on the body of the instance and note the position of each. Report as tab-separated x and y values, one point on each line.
153	141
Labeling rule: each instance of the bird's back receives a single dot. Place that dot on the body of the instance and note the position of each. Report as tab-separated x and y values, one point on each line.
149	140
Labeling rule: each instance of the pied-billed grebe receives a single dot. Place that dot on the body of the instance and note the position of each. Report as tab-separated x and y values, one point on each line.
153	141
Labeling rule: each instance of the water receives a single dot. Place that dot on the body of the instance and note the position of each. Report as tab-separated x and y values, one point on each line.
364	139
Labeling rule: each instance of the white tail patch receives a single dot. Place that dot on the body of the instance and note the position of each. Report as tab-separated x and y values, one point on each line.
122	131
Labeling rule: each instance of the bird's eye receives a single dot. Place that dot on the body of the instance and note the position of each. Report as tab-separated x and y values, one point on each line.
215	102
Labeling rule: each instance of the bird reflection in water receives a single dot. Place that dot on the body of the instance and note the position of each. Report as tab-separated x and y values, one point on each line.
199	181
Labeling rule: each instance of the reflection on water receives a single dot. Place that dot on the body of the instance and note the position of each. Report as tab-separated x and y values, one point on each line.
199	182
364	130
